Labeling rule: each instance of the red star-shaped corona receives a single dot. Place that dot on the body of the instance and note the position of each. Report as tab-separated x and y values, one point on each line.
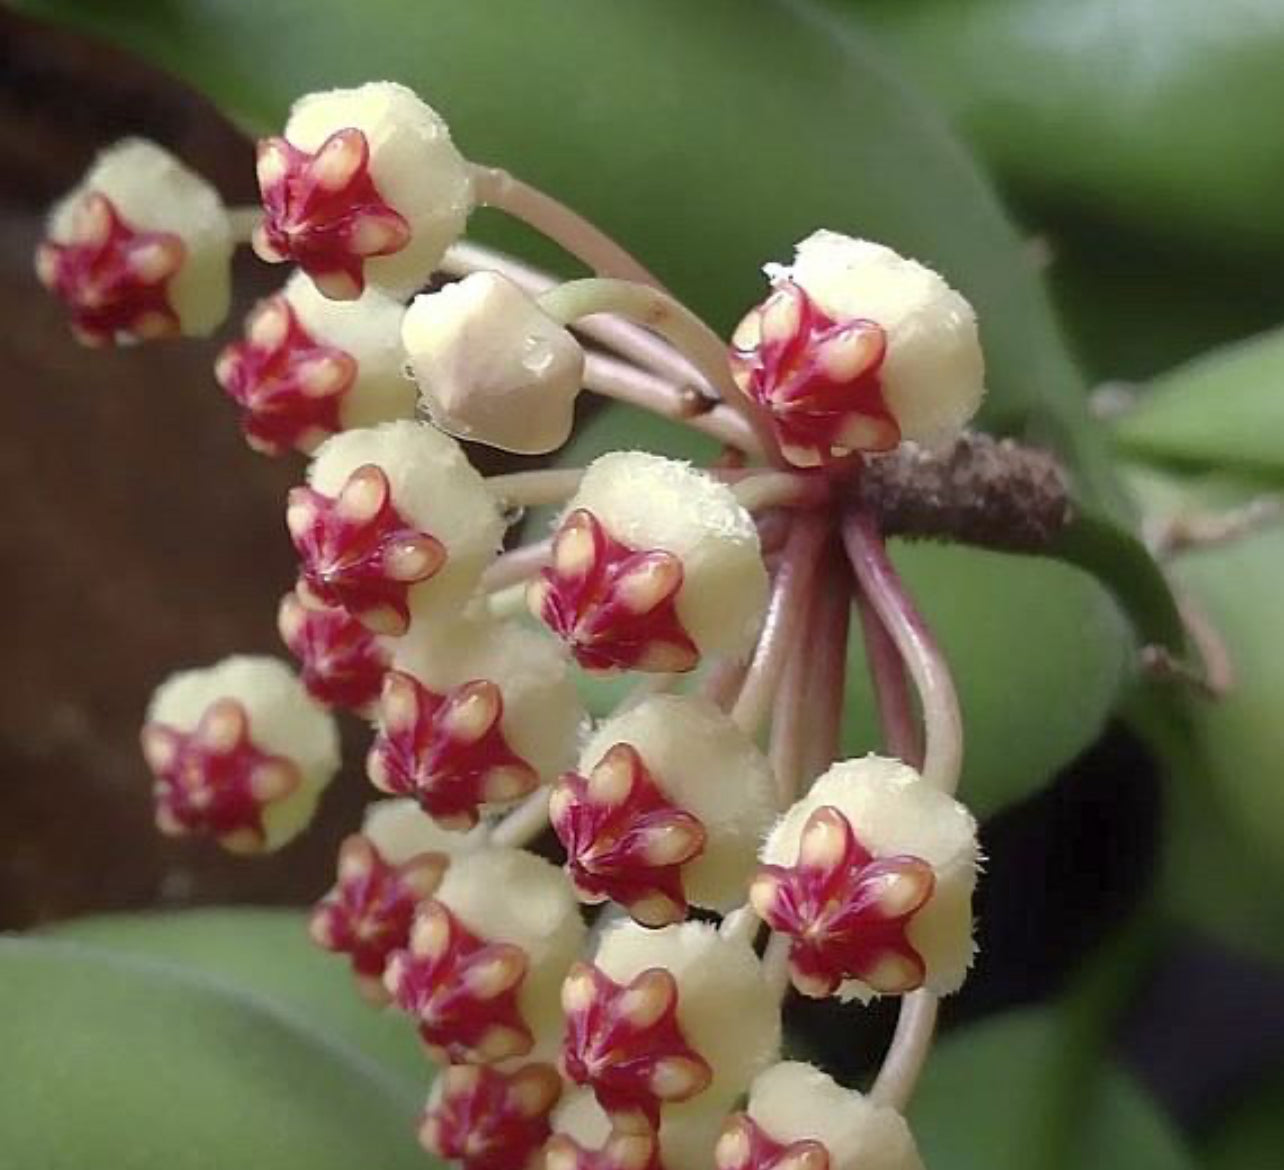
448	751
817	378
113	278
288	385
214	780
359	552
612	605
369	912
463	991
489	1120
623	1150
745	1146
342	662
846	911
323	211
624	1042
625	840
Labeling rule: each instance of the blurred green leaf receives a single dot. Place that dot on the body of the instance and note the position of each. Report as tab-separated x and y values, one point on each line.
710	137
1252	1136
119	1062
1160	116
267	953
1021	1092
1038	651
1222	411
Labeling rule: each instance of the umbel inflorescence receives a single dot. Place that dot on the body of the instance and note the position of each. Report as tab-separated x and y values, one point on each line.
650	1039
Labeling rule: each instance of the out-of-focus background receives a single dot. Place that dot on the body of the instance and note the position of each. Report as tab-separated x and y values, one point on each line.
1136	842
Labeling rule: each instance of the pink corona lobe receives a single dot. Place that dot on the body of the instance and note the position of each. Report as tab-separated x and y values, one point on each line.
623	1041
846	911
745	1146
624	1150
214	780
490	1120
288	385
357	551
613	606
818	379
342	663
369	912
447	751
113	278
323	211
624	839
462	990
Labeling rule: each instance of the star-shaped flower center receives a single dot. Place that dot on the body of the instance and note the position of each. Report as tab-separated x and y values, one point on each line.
623	1151
613	606
461	989
746	1146
113	277
369	912
624	1042
359	552
288	386
490	1120
323	211
214	780
846	911
448	751
625	840
817	378
342	662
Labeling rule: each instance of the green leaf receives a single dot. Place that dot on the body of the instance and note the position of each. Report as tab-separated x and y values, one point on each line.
1253	1135
267	953
1038	651
119	1062
1223	411
1020	1092
1162	117
709	137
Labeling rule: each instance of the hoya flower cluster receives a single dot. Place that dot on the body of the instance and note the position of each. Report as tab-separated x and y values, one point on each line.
582	1017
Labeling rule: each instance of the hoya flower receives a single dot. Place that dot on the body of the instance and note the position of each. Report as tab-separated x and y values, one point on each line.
342	663
488	1119
856	349
476	712
655	564
363	185
662	1017
585	1138
394	521
308	367
800	1119
669	806
872	874
492	366
141	249
240	752
487	956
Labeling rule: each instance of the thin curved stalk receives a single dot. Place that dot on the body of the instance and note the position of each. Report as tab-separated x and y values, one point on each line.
896	713
828	682
907	1053
526	822
534	489
516	566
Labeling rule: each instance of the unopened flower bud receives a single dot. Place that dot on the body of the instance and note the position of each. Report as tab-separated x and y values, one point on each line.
872	874
309	366
492	367
856	349
667	1016
368	913
800	1119
669	806
488	1119
586	1138
654	565
342	663
394	522
240	751
486	958
475	713
364	185
141	249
